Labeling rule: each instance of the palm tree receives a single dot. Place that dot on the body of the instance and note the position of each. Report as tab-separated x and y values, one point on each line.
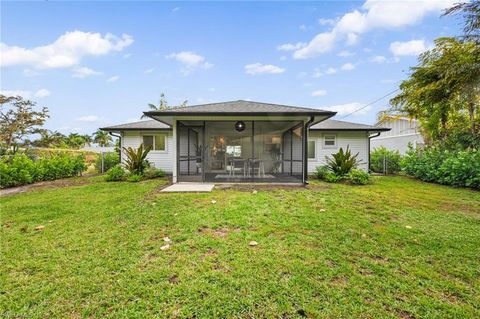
163	105
87	138
102	138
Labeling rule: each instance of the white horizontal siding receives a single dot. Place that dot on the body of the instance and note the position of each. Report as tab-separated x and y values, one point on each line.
158	159
356	141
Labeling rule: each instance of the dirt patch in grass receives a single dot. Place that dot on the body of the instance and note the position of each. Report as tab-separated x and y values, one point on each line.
74	181
219	232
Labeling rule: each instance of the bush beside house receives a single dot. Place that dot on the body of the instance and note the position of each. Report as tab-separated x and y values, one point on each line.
342	166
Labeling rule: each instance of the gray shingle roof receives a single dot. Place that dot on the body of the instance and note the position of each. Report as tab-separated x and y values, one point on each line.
140	125
240	106
335	125
325	125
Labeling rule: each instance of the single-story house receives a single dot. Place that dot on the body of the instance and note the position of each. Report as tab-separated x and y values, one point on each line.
243	141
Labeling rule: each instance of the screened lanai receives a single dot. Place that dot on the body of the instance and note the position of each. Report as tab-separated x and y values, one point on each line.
240	151
240	141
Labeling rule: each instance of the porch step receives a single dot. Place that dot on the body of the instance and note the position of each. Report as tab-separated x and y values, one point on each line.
189	188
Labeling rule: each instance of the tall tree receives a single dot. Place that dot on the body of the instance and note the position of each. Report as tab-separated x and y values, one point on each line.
18	119
470	12
443	86
102	138
163	105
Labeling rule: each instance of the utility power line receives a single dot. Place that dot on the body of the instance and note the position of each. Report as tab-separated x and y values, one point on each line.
377	100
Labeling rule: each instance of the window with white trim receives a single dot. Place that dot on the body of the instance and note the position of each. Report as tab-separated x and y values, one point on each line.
157	142
330	141
311	149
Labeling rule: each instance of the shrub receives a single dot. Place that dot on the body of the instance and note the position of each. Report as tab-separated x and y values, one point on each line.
152	172
19	169
342	162
321	171
392	160
110	159
136	161
433	164
134	178
358	177
332	178
115	174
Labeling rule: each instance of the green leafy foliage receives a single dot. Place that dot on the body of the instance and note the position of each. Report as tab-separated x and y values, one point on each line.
136	161
115	174
152	172
20	169
332	178
392	159
433	164
342	162
134	178
109	160
358	177
321	171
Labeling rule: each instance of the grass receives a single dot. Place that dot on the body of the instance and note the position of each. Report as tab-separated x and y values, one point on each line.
398	248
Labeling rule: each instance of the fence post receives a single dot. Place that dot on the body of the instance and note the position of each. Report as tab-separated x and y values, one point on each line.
103	170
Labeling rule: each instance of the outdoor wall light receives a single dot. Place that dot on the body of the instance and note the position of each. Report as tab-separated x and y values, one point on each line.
240	126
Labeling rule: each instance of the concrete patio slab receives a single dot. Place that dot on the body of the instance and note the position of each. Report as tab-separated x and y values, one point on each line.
189	188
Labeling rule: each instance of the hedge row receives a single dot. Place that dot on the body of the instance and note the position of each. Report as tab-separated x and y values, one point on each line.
455	168
20	169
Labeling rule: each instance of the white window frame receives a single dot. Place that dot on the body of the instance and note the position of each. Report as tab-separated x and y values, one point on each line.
154	138
330	146
313	159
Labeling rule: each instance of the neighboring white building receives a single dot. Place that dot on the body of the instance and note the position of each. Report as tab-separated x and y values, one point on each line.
403	131
244	141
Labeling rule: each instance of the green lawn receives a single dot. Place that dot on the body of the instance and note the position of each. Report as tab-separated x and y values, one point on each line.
398	248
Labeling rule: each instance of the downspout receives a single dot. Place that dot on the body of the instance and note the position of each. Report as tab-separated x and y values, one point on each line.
370	137
119	145
305	148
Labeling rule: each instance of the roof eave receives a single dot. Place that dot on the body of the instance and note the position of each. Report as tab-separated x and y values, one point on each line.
173	113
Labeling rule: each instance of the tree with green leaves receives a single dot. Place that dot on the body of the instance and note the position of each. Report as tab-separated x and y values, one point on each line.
163	105
442	88
18	119
470	12
102	138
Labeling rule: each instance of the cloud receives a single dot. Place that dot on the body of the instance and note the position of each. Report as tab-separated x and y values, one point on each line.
24	94
345	54
83	72
348	67
291	46
414	47
175	9
88	118
127	55
147	71
373	14
317	73
67	51
331	71
30	73
113	78
378	59
344	109
319	93
330	22
212	89
190	61
258	68
42	93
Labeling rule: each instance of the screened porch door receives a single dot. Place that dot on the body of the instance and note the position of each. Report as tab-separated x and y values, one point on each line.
190	152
